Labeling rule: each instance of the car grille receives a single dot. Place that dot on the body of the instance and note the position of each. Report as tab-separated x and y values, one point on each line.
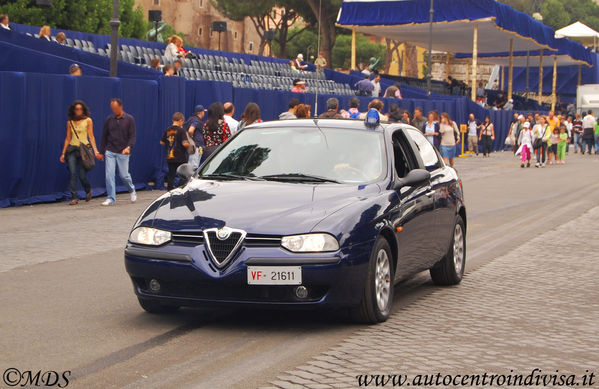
197	237
222	249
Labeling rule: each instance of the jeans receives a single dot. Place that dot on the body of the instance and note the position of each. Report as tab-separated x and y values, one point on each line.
120	161
77	170
473	143
486	141
588	144
172	174
541	153
195	160
525	154
577	141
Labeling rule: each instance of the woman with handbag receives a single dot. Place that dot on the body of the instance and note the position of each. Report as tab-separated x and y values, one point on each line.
487	136
77	150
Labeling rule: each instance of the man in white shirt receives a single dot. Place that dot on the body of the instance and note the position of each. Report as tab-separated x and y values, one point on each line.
376	82
4	22
473	134
231	122
588	132
299	62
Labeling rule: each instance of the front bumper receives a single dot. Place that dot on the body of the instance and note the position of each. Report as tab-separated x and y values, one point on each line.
188	277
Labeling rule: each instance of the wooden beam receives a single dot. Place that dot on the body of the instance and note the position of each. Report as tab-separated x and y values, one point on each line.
554	84
511	71
353	49
447	66
540	96
502	84
474	61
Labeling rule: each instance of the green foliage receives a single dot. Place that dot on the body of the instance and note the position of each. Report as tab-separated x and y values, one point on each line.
87	16
365	49
239	9
560	13
300	44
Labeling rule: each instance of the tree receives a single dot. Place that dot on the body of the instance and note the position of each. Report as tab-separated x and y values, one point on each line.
365	49
304	40
325	16
87	16
555	14
257	10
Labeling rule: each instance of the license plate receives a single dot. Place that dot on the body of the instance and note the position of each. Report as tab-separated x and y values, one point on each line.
274	275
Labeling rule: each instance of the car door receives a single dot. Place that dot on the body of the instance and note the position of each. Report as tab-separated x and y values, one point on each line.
438	192
414	213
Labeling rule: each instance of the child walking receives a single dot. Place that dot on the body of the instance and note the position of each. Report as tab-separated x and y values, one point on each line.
525	141
174	139
552	150
562	144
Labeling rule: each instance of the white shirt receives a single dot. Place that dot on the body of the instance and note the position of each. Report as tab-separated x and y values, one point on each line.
472	127
5	26
569	128
232	123
366	72
171	51
588	122
377	89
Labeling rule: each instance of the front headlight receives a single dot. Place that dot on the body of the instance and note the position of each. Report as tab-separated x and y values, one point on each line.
310	243
149	236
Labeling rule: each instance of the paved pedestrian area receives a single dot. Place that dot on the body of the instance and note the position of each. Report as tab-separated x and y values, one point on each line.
536	307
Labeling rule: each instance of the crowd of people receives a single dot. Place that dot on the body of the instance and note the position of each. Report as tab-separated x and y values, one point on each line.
548	138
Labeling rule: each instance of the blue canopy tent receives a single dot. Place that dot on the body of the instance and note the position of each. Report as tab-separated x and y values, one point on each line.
470	26
569	53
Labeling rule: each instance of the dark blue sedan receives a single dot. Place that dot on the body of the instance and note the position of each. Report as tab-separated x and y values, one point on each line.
303	213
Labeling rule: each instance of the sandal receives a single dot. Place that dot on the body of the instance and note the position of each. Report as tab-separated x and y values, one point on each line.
88	196
74	202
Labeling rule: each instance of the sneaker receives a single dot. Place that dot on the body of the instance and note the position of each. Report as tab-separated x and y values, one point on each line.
543	164
522	165
537	164
528	164
133	196
108	202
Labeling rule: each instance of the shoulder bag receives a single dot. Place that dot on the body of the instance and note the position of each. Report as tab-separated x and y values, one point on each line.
85	151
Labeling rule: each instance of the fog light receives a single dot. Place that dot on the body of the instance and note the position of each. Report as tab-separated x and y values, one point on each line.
301	292
154	285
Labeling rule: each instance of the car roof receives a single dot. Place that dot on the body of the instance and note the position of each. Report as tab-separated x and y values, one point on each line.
327	123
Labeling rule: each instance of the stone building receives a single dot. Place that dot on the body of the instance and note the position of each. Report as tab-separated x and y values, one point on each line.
194	19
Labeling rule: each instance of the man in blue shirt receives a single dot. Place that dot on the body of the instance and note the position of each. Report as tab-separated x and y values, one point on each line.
365	87
118	138
194	126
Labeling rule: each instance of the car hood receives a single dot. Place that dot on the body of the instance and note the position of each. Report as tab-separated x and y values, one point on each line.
258	207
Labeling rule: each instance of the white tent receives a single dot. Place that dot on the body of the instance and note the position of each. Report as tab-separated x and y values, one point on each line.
579	32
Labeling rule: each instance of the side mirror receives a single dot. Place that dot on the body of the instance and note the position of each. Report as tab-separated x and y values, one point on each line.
185	171
415	177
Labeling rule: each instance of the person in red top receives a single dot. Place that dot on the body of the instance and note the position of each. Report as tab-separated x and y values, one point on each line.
216	131
299	86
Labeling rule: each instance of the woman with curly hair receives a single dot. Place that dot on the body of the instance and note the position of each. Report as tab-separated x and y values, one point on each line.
216	131
302	111
80	130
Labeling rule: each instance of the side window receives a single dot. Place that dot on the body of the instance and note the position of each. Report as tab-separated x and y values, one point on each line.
403	161
427	150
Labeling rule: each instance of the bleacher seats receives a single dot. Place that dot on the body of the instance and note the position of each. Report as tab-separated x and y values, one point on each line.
258	74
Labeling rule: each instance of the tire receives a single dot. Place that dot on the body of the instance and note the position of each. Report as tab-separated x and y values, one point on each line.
450	270
156	308
377	297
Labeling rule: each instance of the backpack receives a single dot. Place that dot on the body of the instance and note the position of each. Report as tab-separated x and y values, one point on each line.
354	115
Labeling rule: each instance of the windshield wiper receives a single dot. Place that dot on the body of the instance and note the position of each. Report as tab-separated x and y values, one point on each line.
228	176
299	177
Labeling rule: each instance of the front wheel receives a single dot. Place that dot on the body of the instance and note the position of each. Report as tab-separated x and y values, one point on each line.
377	297
451	268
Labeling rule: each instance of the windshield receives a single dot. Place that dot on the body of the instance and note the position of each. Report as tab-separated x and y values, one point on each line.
300	154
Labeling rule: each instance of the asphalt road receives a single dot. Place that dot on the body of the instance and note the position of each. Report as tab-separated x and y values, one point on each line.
66	302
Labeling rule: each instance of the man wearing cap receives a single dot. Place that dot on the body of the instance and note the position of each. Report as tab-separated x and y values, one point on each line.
74	70
299	86
193	126
509	105
299	65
